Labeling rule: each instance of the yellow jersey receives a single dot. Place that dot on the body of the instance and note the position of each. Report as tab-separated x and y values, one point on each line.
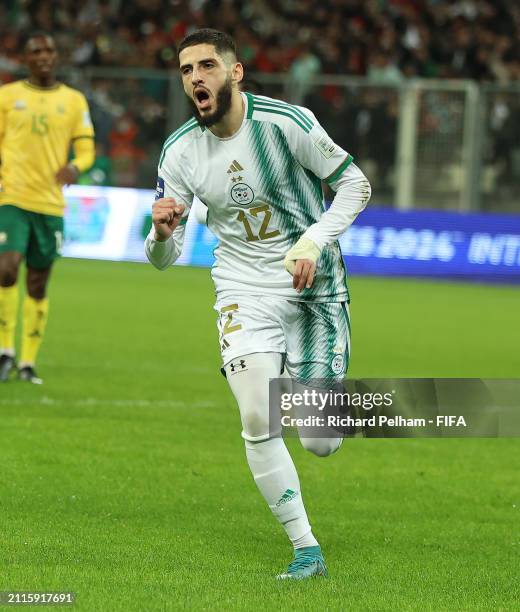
37	128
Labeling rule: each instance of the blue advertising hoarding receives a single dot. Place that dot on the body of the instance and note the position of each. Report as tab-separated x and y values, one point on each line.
111	223
387	242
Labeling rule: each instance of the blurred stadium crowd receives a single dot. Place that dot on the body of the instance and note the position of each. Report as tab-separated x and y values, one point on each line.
385	40
115	50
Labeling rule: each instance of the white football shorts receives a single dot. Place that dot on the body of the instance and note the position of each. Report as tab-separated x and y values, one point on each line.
313	336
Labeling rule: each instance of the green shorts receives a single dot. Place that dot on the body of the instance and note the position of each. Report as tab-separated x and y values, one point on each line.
39	238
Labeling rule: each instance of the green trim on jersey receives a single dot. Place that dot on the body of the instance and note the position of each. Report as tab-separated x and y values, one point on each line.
277	107
267	109
285	105
176	132
339	170
250	105
184	129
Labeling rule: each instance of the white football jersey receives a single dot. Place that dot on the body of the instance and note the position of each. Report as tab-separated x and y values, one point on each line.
262	188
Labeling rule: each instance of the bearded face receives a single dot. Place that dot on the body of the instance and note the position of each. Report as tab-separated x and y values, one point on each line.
209	109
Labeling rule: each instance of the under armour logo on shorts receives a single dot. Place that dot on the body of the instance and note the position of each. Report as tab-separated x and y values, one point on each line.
241	364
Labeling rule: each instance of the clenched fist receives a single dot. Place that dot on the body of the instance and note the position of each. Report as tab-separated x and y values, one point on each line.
166	216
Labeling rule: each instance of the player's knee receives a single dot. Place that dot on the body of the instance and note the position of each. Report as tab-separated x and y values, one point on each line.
255	424
254	413
37	292
37	283
253	405
250	386
8	278
321	447
9	266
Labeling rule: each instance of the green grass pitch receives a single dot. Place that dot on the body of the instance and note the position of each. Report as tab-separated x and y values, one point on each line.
123	477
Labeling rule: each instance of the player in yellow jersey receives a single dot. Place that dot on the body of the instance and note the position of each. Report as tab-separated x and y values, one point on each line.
40	120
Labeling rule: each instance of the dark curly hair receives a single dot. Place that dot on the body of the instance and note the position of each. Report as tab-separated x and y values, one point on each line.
222	42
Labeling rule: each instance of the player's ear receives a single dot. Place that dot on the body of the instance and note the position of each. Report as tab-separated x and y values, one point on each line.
237	72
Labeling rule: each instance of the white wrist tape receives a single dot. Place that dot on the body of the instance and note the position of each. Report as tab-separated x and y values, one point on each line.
303	249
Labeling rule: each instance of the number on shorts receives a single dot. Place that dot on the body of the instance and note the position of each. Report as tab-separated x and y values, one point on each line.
59	241
228	325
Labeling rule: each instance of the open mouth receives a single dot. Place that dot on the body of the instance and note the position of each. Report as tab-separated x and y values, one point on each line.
202	97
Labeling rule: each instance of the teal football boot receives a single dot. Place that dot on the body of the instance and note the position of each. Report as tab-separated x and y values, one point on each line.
308	562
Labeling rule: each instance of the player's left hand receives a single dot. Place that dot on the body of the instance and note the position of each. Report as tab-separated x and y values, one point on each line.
303	276
300	261
67	175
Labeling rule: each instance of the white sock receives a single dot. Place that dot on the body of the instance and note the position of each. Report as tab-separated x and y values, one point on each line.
307	540
276	477
6	351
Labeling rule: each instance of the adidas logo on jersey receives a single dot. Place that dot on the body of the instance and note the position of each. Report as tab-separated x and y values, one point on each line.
234	167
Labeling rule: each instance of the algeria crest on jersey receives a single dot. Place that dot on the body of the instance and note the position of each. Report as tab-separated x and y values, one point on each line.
242	194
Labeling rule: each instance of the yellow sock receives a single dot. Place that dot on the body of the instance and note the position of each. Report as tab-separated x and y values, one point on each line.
34	320
8	314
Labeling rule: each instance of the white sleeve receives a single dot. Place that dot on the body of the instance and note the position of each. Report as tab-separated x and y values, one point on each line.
169	185
163	254
200	210
352	195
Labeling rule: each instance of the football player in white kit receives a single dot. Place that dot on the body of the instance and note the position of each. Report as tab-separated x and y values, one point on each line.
257	164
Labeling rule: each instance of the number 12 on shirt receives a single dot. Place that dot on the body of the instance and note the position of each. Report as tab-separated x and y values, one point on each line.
264	232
